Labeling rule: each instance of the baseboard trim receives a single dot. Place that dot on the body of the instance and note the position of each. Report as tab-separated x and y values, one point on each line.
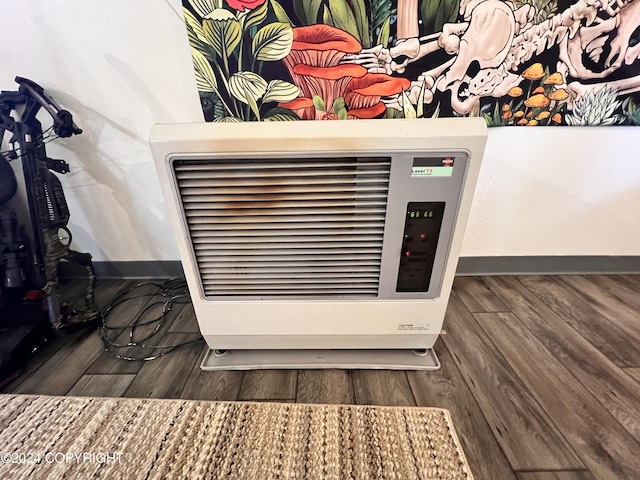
547	265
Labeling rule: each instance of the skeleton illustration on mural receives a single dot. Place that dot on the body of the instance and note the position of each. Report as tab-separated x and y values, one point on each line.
484	38
499	39
516	63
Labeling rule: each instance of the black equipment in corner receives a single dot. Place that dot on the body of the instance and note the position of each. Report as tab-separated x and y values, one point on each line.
35	266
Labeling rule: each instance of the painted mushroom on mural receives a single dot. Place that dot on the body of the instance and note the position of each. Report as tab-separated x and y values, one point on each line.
336	90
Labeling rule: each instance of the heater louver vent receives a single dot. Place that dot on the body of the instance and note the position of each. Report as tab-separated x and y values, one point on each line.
283	227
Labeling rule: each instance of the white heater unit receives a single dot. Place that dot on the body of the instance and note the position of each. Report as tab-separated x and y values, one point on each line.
320	244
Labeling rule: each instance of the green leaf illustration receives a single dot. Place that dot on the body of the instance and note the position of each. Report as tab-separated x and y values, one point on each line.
339	14
338	104
436	112
435	13
362	21
256	17
381	10
205	78
195	25
248	87
254	105
632	110
280	114
327	18
205	7
393	113
197	37
420	104
319	103
385	32
407	108
342	114
280	91
272	42
280	13
203	47
227	120
307	10
222	31
243	85
544	9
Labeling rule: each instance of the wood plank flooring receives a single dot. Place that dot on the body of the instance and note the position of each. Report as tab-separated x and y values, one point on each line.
541	374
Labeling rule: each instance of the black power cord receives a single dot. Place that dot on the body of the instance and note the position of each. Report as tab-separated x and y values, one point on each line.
165	295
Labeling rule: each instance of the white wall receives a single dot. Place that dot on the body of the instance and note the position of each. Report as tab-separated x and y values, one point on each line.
557	191
122	65
119	66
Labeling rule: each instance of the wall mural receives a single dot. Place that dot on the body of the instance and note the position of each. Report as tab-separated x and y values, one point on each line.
526	62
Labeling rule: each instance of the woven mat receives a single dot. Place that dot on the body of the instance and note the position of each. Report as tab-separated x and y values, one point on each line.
108	438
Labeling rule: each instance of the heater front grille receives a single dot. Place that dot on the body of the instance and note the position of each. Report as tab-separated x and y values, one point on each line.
281	227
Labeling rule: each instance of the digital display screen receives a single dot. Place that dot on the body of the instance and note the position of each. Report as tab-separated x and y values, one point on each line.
419	245
432	167
431	171
420	213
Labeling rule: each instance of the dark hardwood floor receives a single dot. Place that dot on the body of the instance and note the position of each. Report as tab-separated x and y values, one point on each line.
540	373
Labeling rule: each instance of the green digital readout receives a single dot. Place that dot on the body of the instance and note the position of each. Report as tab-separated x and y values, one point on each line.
431	171
420	213
433	166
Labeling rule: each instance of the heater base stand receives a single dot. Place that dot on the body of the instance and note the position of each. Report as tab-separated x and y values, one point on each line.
314	359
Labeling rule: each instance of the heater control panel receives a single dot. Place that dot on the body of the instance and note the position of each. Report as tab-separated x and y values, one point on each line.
420	240
422	210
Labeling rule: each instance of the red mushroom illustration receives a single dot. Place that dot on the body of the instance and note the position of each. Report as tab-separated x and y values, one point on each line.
363	95
301	106
328	83
314	65
320	46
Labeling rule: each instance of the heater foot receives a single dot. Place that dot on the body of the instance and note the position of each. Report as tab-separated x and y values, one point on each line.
425	359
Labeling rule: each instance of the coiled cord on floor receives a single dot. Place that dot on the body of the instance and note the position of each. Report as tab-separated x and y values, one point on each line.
165	294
